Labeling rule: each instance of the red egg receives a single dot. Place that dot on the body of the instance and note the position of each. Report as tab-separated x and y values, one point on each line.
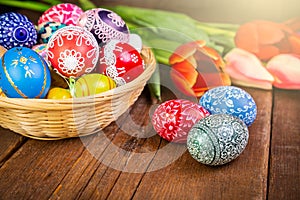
72	51
120	61
173	119
65	13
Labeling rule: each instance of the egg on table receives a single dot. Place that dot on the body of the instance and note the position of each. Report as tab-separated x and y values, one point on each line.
120	61
173	119
91	84
16	30
230	100
24	74
217	139
105	25
72	51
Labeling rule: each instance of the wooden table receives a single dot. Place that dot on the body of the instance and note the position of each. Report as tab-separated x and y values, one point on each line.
88	168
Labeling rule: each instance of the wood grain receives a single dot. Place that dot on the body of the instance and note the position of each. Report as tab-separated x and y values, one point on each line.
285	146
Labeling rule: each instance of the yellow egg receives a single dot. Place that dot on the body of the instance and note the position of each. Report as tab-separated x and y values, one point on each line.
92	84
58	93
2	93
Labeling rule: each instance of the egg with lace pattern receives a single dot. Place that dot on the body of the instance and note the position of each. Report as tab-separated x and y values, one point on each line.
173	119
105	25
120	61
24	74
72	51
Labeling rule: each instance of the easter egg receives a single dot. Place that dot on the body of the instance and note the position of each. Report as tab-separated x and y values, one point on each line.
120	61
58	93
91	84
173	119
1	93
46	29
16	30
217	139
105	25
41	49
24	74
65	13
72	51
230	100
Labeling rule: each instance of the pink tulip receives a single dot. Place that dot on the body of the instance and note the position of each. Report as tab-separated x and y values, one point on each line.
286	70
245	69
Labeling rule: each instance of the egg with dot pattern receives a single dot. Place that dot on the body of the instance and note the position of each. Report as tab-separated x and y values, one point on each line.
16	30
217	139
230	100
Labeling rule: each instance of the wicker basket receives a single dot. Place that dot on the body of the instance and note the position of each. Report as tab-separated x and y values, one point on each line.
48	119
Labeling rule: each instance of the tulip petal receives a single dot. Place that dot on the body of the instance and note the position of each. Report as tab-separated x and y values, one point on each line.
181	83
183	52
246	37
187	71
269	32
266	52
286	70
246	69
295	43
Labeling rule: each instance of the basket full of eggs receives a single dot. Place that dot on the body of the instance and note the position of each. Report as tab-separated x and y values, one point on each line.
72	74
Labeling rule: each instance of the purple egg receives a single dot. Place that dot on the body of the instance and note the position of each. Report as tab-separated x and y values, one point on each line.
16	30
105	25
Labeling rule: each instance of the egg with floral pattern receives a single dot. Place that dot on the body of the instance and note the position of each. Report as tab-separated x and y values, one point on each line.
230	100
46	29
16	30
120	61
65	13
105	25
173	119
24	74
72	51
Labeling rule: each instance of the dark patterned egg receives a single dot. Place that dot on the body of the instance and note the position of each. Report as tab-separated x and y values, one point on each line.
24	74
16	30
120	61
230	100
217	139
46	29
65	13
173	119
105	25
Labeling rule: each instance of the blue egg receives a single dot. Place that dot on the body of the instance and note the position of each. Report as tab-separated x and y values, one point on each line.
24	74
16	30
230	100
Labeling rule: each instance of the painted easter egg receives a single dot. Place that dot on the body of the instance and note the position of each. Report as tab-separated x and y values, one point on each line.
46	29
230	100
16	30
120	61
217	139
91	84
58	93
72	51
105	25
41	49
65	13
173	119
24	74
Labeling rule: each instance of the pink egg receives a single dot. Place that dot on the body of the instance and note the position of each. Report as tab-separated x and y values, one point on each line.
173	119
65	13
120	61
72	51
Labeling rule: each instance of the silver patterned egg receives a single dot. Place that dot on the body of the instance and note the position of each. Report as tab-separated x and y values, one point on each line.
217	139
230	100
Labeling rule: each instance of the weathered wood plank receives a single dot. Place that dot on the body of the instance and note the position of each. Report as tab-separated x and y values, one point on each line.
244	178
285	147
10	142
